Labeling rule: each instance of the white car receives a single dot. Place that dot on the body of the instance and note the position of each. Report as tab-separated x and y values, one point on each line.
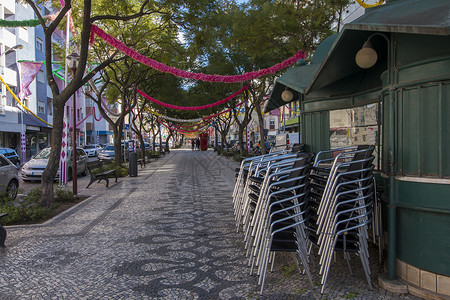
9	177
92	150
34	168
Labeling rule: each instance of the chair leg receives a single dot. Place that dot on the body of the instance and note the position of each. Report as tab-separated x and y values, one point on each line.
90	182
105	179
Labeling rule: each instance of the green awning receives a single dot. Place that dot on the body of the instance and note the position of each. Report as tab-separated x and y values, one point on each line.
297	79
334	59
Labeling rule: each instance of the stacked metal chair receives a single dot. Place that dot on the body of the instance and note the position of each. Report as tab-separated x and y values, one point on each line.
341	205
283	202
274	218
250	167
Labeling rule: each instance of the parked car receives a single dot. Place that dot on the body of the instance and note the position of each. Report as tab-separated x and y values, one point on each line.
92	150
11	155
9	177
107	153
34	168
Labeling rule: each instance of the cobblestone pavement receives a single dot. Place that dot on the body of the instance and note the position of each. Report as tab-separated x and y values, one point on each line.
167	234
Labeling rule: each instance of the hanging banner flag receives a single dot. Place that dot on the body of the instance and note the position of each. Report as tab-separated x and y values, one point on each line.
63	166
28	71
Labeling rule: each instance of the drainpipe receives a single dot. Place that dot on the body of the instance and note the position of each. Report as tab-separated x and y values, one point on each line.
392	206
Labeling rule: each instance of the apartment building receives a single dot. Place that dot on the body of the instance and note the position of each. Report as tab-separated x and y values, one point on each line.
21	47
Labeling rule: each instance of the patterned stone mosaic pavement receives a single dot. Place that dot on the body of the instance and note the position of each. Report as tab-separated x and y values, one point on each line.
167	234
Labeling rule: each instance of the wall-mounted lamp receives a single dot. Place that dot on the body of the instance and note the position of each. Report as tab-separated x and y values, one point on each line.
366	57
287	95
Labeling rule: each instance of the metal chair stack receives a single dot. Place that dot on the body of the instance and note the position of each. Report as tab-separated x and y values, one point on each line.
278	219
341	205
250	167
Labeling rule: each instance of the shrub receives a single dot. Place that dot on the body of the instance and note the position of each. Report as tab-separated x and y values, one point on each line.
32	197
122	172
25	209
64	195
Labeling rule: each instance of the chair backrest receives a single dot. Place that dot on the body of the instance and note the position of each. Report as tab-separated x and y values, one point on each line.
302	160
360	155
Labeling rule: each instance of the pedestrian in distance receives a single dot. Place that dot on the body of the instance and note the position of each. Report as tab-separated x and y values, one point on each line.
193	144
198	144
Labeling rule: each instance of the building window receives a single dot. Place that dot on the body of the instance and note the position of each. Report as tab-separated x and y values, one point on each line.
40	76
272	124
39	44
49	106
356	126
41	107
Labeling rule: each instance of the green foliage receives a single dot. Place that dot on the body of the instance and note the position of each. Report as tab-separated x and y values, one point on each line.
153	154
25	209
64	195
122	172
33	196
28	210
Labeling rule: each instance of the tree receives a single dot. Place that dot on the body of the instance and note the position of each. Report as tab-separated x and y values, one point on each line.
85	15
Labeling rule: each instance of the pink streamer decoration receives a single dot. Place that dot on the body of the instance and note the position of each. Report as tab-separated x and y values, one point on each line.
90	112
81	122
192	107
180	73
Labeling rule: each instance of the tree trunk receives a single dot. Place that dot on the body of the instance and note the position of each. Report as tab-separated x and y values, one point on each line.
51	170
118	144
141	141
262	143
241	140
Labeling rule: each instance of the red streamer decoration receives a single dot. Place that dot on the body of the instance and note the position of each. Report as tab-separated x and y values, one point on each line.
192	107
191	75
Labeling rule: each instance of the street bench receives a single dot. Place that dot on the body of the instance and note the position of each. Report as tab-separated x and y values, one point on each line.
103	175
2	231
141	162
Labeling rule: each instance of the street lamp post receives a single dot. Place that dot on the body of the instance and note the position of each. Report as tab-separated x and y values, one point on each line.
72	63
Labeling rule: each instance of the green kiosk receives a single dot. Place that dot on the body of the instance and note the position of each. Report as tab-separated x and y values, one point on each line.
385	80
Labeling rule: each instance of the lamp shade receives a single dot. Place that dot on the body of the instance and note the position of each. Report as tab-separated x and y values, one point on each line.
72	61
287	95
366	57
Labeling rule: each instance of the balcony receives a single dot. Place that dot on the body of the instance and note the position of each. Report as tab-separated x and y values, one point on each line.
10	76
10	6
8	38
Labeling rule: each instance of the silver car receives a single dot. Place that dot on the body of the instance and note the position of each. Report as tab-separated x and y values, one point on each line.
92	150
34	168
107	153
9	177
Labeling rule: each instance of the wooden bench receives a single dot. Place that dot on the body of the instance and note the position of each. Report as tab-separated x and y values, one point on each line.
100	176
2	231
